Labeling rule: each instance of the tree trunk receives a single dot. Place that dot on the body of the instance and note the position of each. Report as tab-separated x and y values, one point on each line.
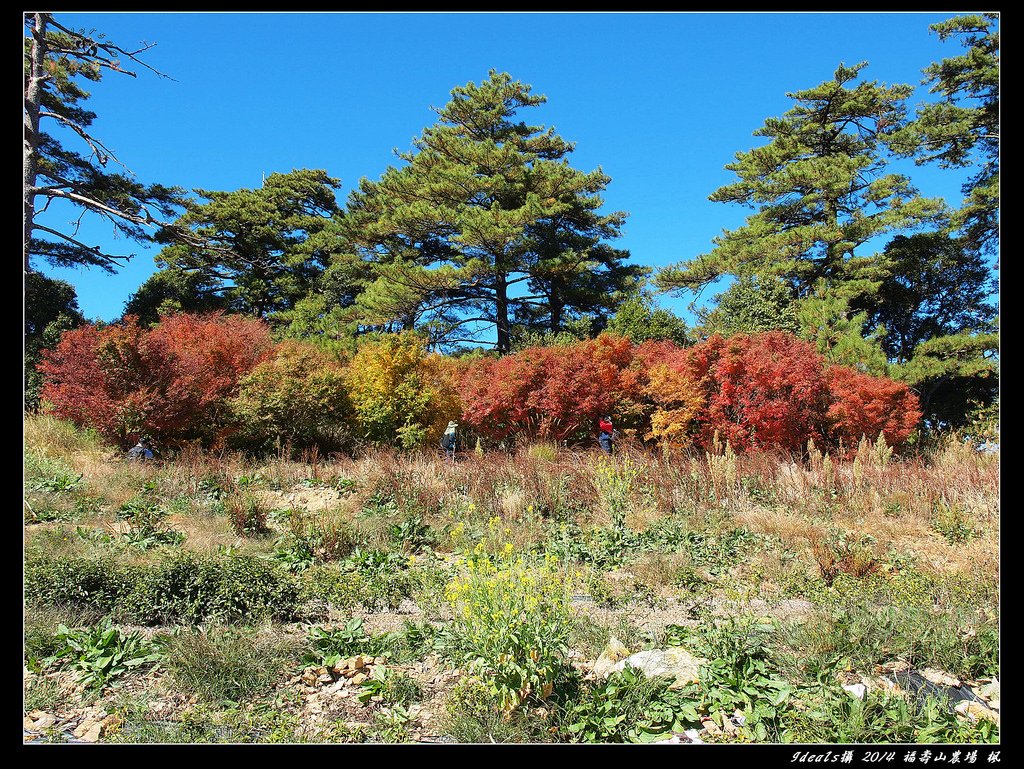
504	330
556	304
33	97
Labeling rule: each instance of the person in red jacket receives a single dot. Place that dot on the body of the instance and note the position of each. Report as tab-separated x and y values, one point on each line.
606	434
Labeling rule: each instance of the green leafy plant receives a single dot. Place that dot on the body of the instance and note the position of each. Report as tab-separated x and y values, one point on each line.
145	519
328	647
387	685
102	653
57	483
627	706
412	534
392	722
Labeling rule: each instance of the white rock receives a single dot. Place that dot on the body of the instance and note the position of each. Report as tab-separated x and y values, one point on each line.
675	661
857	690
613	653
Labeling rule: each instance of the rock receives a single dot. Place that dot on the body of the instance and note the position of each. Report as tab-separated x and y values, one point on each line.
91	729
613	653
43	720
28	723
711	727
859	691
939	677
674	661
975	711
325	678
693	737
358	678
309	678
989	691
359	662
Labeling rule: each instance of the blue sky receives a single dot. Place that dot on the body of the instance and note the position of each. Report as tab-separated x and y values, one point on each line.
660	101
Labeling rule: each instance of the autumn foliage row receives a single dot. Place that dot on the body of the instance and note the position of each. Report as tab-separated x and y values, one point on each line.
220	379
756	391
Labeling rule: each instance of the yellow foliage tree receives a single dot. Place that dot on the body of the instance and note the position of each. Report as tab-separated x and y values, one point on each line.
677	398
401	394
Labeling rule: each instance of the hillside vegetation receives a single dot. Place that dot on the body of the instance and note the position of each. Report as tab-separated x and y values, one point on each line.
214	596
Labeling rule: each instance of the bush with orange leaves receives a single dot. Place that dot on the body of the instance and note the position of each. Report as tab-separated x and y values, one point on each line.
552	393
863	405
756	391
763	391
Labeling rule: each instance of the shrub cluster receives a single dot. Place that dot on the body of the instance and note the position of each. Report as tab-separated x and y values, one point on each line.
184	588
755	391
219	378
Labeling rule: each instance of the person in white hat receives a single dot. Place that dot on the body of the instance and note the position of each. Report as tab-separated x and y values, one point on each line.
448	440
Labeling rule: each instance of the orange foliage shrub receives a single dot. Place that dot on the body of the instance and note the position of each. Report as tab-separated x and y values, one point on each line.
863	405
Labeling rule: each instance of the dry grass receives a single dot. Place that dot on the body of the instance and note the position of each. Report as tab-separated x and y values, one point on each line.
899	502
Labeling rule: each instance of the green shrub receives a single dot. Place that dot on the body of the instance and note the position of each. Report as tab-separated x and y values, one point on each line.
79	583
182	588
188	588
327	583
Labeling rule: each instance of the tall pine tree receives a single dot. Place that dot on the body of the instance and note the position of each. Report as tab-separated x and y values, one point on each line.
821	196
487	225
57	59
261	249
961	129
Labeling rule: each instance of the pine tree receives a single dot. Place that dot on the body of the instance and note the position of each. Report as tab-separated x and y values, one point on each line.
262	249
961	130
818	188
56	59
485	225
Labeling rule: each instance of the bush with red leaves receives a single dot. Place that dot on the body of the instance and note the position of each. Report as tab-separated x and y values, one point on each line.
864	405
172	381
